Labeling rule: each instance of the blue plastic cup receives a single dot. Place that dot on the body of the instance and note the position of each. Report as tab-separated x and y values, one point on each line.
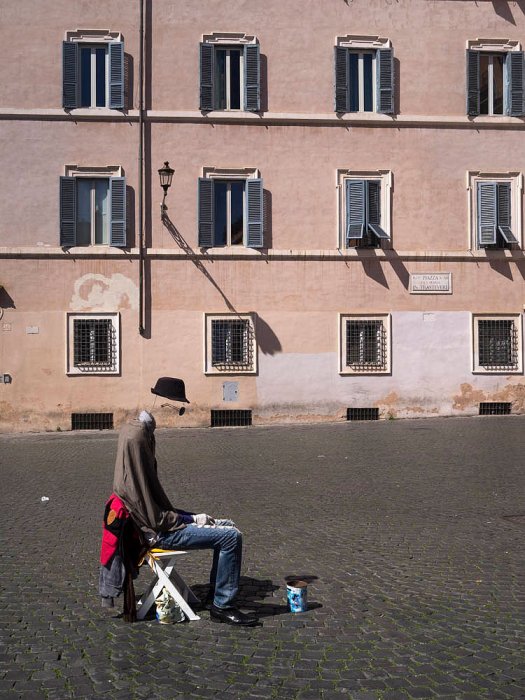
296	592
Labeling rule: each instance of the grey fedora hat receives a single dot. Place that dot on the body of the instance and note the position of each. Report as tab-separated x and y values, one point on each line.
170	388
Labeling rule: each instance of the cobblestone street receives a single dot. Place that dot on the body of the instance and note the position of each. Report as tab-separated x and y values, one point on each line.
410	533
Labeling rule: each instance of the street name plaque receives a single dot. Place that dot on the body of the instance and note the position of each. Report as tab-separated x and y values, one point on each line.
431	283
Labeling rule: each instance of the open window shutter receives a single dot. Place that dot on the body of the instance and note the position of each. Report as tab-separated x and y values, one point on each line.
116	75
472	83
487	208
69	74
374	209
207	53
385	80
252	78
515	106
355	208
68	212
206	218
254	208
341	79
117	230
504	212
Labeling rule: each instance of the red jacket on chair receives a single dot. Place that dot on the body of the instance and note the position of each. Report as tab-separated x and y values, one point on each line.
115	517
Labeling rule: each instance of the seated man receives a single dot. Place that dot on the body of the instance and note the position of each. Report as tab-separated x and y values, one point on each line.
137	484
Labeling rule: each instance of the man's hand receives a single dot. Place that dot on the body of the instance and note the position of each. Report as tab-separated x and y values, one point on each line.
202	519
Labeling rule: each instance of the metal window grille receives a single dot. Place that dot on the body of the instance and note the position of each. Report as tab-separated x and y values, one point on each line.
362	414
495	409
231	344
94	344
229	418
365	344
497	344
91	421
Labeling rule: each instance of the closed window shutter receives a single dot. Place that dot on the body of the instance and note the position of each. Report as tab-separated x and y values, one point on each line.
207	53
254	208
355	208
385	80
68	211
341	79
472	83
487	217
116	75
206	218
374	210
69	74
252	78
117	191
514	64
504	212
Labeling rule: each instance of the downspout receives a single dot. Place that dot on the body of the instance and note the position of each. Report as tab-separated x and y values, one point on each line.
141	170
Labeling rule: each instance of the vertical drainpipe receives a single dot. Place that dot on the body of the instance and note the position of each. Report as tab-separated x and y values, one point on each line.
141	170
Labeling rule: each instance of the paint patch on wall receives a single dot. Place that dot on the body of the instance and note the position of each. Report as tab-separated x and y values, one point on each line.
95	292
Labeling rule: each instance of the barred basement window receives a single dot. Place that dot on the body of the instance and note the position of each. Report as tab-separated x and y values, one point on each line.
230	344
496	408
497	344
91	421
230	418
362	414
93	344
365	344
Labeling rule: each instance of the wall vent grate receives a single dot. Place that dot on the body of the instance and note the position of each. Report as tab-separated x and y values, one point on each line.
230	418
91	421
495	409
362	414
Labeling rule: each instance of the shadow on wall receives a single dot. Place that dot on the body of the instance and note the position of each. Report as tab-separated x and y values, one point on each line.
6	302
503	8
128	81
264	83
267	342
267	221
130	217
373	268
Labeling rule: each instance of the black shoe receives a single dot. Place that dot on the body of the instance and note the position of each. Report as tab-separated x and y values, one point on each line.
232	616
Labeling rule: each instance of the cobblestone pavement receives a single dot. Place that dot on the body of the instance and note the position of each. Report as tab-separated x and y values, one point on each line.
402	529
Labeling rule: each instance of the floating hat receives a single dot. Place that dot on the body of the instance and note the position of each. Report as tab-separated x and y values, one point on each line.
170	388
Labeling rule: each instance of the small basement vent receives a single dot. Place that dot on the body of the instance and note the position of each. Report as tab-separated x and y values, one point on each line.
225	418
362	414
494	409
91	421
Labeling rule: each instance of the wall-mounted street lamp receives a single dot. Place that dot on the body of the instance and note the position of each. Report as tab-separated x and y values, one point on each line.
166	176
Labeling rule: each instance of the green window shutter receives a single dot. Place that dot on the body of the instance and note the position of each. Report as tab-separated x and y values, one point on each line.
487	213
68	211
504	212
207	55
514	65
206	217
69	74
341	79
472	83
374	210
252	78
116	75
117	195
355	208
385	80
254	208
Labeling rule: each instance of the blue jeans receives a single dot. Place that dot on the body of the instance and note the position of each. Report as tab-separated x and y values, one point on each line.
226	542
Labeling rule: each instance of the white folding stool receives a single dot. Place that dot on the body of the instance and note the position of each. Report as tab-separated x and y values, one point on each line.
162	563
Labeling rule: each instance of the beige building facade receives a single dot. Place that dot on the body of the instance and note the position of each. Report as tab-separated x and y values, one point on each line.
344	226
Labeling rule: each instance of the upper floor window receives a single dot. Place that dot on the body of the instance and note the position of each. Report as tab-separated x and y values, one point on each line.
495	79
364	75
496	209
93	70
92	207
364	210
230	208
229	73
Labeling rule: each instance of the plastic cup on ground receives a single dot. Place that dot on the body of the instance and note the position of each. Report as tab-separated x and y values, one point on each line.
297	596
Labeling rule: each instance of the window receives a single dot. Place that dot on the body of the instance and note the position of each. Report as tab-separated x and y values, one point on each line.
229	73
93	344
364	75
365	344
497	344
92	209
364	208
93	70
496	210
230	209
495	81
230	344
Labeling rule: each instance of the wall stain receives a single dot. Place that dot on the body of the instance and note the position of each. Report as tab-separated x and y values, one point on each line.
96	292
468	397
